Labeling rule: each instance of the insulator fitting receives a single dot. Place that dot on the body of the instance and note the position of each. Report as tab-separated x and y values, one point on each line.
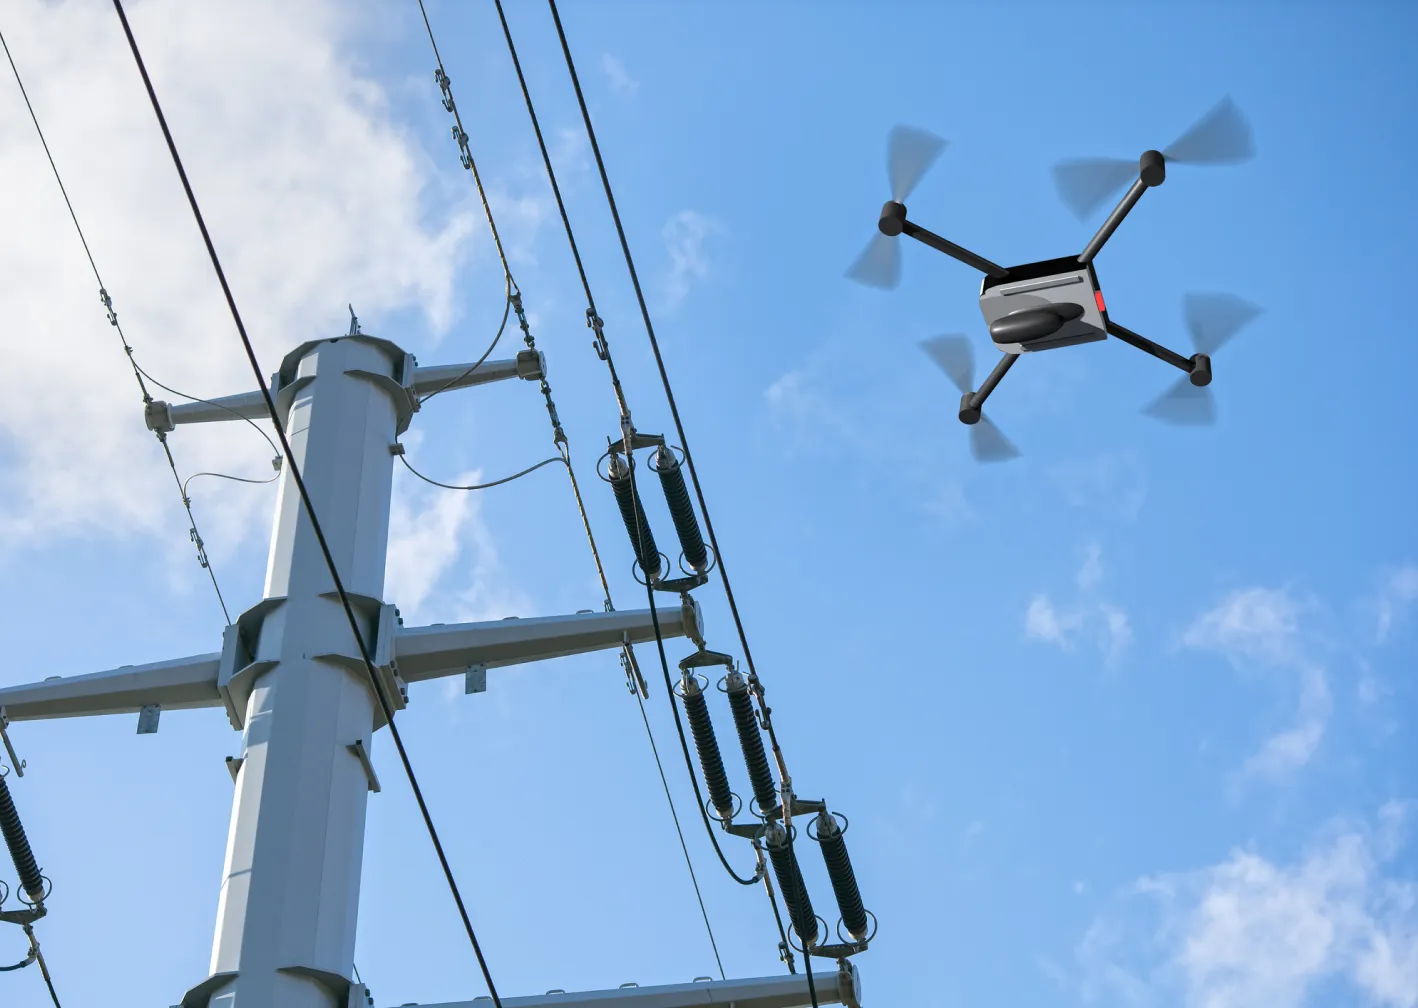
710	759
30	879
632	512
839	870
667	467
790	883
751	741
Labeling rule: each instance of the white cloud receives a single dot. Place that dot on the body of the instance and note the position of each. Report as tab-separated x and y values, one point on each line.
1397	593
1042	622
684	236
1114	484
1249	931
614	70
1292	748
314	195
1262	626
1256	623
431	530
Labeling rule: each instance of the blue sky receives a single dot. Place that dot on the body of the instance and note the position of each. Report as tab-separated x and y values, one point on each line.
1123	722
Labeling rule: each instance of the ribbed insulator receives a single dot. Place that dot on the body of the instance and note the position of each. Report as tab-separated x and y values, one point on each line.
632	512
790	883
681	510
710	760
19	845
844	880
751	741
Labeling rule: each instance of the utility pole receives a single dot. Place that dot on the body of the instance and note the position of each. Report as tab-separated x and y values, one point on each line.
291	679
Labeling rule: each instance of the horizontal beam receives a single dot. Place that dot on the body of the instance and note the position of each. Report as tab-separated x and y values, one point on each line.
420	653
440	650
172	685
252	405
833	986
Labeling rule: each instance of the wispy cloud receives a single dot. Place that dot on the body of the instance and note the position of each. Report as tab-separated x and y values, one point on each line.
1046	622
615	72
685	234
1249	931
1114	484
1260	626
1398	591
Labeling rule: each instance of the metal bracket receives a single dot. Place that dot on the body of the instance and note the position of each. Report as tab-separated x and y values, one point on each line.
158	417
233	765
148	719
23	917
681	585
703	658
15	760
475	679
362	754
637	441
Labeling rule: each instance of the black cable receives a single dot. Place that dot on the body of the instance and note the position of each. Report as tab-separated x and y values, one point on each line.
482	486
497	338
664	378
208	402
309	507
138	373
603	350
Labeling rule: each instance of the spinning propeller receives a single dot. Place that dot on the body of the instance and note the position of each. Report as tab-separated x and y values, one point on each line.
957	359
909	154
1221	137
1211	320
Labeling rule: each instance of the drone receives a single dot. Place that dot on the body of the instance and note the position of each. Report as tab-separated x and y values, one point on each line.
1057	303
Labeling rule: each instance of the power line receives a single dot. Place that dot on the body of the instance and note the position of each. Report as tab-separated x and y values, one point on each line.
309	507
482	486
138	372
628	659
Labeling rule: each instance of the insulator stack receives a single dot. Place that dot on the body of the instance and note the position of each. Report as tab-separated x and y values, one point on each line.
844	880
632	512
20	853
751	741
681	510
710	760
790	883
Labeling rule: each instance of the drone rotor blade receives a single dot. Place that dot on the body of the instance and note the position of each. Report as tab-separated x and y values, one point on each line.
1221	137
879	265
909	153
955	357
1087	183
987	444
1212	319
1184	405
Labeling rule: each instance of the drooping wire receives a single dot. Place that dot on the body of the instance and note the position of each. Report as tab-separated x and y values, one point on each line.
483	486
563	445
603	351
309	507
497	338
138	373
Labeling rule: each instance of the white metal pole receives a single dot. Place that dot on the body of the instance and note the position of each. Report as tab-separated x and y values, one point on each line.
285	928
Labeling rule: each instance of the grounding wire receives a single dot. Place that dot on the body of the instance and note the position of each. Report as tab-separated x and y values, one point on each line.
483	486
226	476
497	338
138	373
309	507
559	437
603	351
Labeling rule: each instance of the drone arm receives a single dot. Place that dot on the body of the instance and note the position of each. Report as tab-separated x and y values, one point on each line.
1151	171
938	243
971	402
1146	345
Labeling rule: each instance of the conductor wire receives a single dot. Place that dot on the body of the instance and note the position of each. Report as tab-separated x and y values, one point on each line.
562	443
785	779
309	507
138	373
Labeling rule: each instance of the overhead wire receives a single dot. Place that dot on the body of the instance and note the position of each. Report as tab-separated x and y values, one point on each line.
482	486
755	684
138	373
594	321
628	658
309	507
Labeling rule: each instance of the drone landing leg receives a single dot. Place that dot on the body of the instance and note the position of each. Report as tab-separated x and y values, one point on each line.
953	250
1151	172
971	402
1197	366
